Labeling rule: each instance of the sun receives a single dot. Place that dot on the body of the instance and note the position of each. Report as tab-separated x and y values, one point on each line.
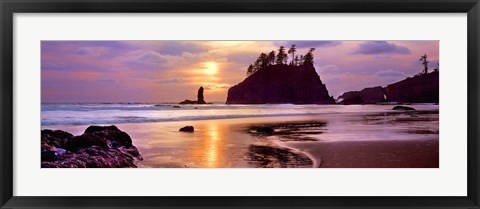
211	68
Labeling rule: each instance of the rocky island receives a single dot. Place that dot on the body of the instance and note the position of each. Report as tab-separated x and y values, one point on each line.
200	98
422	88
97	147
270	82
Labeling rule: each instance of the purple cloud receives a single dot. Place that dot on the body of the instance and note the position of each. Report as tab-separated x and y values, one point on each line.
308	44
391	73
91	51
178	48
380	47
172	80
53	65
328	69
107	80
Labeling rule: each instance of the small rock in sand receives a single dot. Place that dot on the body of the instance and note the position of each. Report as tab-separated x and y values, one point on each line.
398	107
265	130
187	129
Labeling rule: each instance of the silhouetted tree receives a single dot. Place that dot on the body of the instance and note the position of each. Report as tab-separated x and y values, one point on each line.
296	60
257	65
302	60
263	60
425	62
281	56
250	70
292	51
308	59
271	58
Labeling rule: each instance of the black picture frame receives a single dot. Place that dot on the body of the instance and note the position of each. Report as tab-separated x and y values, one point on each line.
10	7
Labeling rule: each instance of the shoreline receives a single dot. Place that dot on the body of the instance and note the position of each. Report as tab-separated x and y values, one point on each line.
316	162
226	143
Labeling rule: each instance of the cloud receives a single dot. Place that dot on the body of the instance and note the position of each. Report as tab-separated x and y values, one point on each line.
328	69
92	51
166	80
178	48
107	80
309	44
150	57
171	80
53	65
380	47
391	73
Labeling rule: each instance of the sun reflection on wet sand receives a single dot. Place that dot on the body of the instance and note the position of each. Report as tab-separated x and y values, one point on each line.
211	146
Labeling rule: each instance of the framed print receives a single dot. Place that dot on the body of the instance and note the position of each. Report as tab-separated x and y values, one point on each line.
265	104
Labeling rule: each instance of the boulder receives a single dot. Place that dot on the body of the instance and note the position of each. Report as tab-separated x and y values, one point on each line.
187	129
265	130
97	147
50	139
398	107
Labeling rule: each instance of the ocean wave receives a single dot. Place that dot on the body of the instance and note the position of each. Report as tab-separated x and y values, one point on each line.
135	119
88	114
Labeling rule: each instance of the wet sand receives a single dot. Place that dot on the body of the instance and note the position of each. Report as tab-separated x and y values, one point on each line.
372	154
366	140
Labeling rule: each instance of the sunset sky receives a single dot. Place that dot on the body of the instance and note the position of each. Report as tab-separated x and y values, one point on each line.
172	71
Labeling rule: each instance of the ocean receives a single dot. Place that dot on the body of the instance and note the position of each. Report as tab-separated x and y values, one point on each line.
119	113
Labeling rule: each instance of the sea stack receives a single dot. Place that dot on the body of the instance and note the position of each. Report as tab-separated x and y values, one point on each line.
281	84
200	98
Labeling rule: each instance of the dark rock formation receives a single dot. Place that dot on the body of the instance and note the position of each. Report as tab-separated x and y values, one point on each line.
200	98
279	84
398	107
265	130
97	147
53	139
419	89
187	129
366	96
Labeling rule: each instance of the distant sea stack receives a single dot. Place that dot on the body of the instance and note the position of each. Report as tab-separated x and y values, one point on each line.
281	83
423	88
366	96
200	98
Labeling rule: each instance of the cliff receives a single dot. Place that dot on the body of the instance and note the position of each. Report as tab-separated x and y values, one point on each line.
279	84
419	89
